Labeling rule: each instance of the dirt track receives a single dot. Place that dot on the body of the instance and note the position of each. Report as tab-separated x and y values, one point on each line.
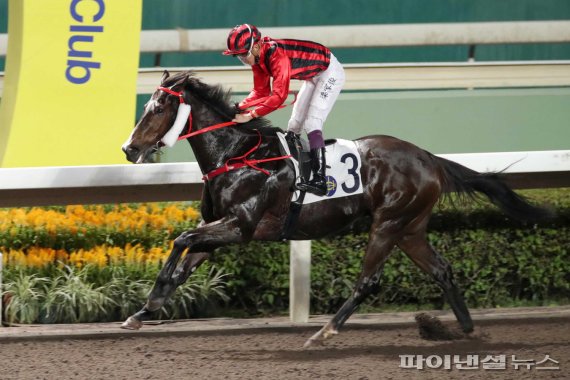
357	353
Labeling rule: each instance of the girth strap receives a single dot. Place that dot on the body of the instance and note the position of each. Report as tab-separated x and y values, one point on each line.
292	217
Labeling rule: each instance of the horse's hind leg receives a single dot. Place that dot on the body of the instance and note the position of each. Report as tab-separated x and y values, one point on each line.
379	247
432	262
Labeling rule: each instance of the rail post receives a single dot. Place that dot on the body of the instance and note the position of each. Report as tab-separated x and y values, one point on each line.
300	281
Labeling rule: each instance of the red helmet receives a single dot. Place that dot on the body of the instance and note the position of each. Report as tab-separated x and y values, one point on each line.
241	39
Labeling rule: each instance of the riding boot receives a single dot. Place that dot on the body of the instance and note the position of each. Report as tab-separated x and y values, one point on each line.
294	143
318	184
291	137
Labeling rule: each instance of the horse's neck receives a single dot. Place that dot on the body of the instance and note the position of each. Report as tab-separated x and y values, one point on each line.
212	149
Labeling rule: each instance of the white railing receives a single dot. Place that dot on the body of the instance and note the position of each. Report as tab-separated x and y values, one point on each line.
382	76
63	185
182	181
341	36
413	76
347	36
39	186
401	76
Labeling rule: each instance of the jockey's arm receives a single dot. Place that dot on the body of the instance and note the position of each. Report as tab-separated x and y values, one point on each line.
261	87
281	69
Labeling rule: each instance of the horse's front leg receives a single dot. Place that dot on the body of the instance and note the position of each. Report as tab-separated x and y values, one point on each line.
199	242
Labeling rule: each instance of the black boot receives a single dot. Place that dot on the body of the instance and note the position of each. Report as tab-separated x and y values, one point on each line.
294	143
318	184
291	137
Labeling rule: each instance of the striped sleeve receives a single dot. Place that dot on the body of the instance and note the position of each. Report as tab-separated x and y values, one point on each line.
280	67
261	87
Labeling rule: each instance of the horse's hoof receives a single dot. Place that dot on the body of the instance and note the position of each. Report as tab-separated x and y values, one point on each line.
320	337
131	324
313	342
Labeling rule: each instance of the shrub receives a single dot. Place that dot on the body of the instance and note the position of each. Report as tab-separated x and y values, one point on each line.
496	261
72	298
23	297
92	294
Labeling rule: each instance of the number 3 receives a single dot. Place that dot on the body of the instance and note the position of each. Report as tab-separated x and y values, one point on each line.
352	171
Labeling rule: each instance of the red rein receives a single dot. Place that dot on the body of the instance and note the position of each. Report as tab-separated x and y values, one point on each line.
238	162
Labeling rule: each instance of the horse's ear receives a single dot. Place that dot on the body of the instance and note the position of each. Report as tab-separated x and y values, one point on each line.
165	76
183	81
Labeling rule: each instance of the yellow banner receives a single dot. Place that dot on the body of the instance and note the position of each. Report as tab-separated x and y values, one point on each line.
70	85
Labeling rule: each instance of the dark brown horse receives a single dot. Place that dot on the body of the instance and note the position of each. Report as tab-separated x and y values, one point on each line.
401	183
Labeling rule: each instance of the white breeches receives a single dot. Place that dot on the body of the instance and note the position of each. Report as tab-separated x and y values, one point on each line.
316	99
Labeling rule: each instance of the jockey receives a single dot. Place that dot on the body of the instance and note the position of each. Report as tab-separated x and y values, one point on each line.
283	60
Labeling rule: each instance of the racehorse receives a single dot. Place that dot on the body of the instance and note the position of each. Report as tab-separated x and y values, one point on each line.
401	185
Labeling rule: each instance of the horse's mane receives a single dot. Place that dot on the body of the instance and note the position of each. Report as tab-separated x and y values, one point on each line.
219	99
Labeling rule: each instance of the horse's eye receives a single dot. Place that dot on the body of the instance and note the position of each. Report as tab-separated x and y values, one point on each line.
159	110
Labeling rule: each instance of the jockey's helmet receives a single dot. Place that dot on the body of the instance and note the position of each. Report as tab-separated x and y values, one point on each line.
241	39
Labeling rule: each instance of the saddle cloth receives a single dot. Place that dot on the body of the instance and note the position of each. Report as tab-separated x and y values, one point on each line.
343	170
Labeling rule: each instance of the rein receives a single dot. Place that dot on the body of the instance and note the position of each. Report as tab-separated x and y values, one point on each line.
241	161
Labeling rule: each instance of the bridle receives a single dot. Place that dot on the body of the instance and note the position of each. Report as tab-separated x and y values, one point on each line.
180	95
240	161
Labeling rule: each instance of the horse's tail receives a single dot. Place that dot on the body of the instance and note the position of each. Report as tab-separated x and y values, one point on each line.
458	178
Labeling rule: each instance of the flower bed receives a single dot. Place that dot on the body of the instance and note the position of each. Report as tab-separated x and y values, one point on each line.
95	263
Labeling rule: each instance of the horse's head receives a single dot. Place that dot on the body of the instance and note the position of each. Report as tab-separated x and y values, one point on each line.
163	119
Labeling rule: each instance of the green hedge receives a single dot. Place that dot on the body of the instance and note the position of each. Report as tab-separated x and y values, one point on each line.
496	262
493	268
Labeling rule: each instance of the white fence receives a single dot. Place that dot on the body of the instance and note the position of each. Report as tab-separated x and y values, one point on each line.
341	36
400	76
383	76
182	181
394	76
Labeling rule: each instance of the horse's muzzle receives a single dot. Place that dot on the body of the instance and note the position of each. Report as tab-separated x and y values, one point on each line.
137	155
132	153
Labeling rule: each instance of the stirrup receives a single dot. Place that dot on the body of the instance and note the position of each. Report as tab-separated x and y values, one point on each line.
313	189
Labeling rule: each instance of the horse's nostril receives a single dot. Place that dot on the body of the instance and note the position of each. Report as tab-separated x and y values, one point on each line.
131	150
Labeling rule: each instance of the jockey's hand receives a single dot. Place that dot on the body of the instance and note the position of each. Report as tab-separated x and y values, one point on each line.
236	107
242	117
